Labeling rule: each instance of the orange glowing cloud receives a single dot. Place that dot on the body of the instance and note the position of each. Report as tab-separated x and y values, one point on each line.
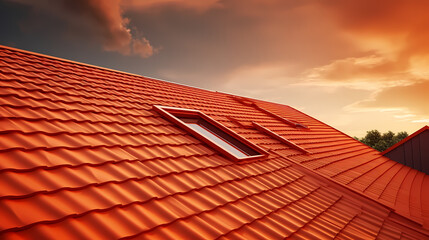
381	18
392	37
404	99
370	72
395	31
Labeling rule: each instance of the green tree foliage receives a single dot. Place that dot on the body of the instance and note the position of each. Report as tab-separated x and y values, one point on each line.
383	141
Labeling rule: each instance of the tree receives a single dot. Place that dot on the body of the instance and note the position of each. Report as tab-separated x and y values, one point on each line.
381	142
372	138
400	135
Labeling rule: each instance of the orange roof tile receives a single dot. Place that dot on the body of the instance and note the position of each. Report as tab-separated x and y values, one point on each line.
84	156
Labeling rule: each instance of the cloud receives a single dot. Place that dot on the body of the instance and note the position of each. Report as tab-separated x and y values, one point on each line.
392	37
379	18
143	48
421	121
352	69
373	72
100	19
197	5
411	101
205	49
391	62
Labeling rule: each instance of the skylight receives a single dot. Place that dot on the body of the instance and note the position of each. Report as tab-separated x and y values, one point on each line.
212	132
217	139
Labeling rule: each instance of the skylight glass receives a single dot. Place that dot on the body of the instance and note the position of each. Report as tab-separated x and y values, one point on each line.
218	140
211	132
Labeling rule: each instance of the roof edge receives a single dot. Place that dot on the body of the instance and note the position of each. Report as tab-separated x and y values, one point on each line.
99	67
405	139
137	75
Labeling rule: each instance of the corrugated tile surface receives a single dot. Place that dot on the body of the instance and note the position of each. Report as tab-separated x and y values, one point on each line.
84	156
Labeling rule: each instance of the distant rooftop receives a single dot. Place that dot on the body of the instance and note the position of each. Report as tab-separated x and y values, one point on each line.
412	151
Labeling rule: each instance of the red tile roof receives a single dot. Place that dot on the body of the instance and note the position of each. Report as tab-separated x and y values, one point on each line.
84	156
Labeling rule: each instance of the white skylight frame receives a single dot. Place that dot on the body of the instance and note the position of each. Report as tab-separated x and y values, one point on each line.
213	133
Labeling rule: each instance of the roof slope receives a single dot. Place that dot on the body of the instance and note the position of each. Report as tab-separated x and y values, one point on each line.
84	156
412	151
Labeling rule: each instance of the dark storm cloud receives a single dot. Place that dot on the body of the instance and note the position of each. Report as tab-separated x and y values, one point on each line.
97	19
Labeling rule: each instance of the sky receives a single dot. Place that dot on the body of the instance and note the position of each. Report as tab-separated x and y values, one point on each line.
355	65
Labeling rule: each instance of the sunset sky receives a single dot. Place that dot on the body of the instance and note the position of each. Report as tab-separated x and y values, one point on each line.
355	65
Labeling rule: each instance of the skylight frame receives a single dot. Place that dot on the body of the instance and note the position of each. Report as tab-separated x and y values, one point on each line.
176	115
